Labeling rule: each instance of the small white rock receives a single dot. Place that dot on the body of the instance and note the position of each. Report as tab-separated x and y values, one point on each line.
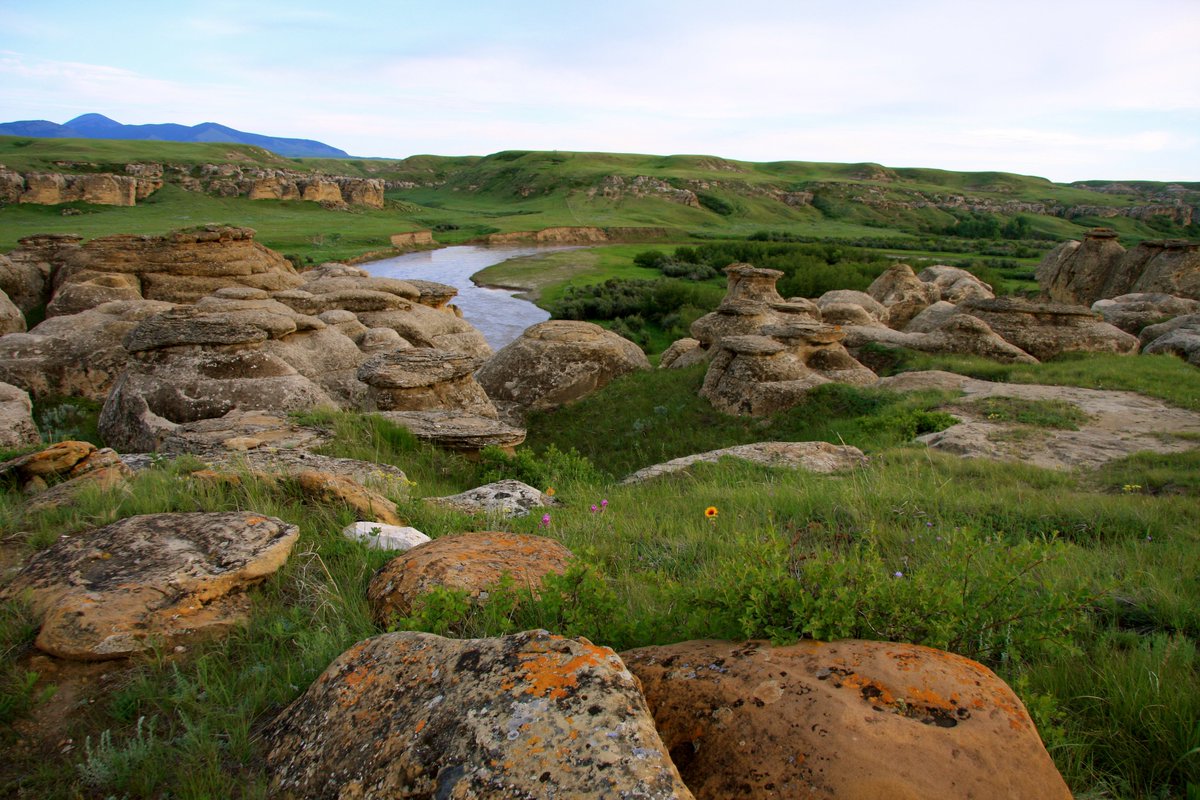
378	536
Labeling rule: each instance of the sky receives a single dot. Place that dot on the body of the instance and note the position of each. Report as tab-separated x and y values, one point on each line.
1062	89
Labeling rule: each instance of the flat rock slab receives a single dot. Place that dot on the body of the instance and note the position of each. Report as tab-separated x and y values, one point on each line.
847	719
378	536
507	498
472	562
820	457
457	430
117	590
525	716
239	431
1119	424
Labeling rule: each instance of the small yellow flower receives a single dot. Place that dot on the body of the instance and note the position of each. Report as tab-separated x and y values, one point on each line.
711	512
550	491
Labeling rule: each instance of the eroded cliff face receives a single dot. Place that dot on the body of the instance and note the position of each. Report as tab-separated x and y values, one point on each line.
139	181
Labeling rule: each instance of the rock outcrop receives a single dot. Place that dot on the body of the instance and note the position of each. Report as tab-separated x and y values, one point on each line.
424	379
455	430
525	716
1099	268
955	285
554	363
1045	330
1179	337
841	719
940	328
1132	312
820	457
472	562
759	375
141	581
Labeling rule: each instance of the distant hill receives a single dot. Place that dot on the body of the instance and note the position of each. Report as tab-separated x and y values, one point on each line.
98	126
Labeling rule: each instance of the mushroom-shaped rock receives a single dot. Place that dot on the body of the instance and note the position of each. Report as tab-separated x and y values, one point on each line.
759	375
147	580
472	562
1132	312
16	417
903	294
841	719
751	303
455	430
821	457
1045	330
424	379
507	498
558	362
524	716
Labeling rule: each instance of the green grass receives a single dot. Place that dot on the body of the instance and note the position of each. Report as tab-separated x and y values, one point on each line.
543	278
1036	413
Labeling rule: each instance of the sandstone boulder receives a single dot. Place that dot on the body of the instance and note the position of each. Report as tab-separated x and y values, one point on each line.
1045	330
838	297
79	355
847	719
16	418
683	353
11	318
327	487
506	498
751	303
1132	312
1083	272
424	379
820	457
525	716
25	281
557	362
91	289
760	375
903	294
1167	267
455	430
472	562
940	328
123	588
955	285
57	460
1179	337
102	469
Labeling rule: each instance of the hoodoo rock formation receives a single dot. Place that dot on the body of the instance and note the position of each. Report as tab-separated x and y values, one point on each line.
1099	268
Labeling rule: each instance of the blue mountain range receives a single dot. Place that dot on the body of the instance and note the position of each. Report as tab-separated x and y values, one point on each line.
98	126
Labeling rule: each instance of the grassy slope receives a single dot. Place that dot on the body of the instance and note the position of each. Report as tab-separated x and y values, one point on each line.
669	574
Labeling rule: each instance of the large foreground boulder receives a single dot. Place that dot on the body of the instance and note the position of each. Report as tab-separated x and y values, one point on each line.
149	580
523	716
557	362
848	719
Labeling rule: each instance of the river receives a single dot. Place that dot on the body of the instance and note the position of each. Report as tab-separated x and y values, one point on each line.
497	313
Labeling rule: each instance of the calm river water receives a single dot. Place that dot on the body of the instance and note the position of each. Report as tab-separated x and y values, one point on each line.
499	315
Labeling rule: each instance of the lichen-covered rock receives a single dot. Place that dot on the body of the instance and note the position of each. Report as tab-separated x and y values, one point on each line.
530	716
472	562
57	459
141	581
16	418
903	294
759	375
821	457
1045	330
847	719
101	468
1132	312
751	304
327	487
425	379
506	498
379	536
558	362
